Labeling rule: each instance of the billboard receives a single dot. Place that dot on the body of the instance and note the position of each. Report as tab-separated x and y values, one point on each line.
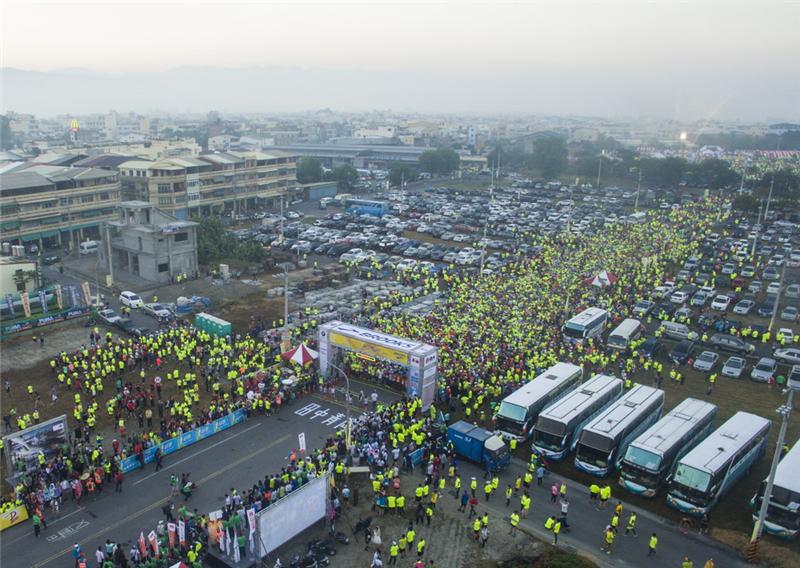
26	445
361	346
289	516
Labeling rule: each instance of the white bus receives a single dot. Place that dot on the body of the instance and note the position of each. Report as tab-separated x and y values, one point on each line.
519	410
709	471
604	440
586	325
783	512
624	334
652	456
555	432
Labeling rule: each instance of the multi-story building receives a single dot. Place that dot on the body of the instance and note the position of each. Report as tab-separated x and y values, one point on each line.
211	183
148	243
54	205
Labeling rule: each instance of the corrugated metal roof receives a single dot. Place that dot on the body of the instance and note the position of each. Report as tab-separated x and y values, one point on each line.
23	179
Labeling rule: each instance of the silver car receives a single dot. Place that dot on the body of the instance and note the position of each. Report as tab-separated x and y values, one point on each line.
734	367
764	370
706	361
789	355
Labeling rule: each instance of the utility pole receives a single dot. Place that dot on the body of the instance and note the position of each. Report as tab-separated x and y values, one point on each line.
638	190
758	231
599	169
785	411
777	298
346	403
769	197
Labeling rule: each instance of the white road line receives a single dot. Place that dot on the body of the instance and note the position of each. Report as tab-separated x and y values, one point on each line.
196	454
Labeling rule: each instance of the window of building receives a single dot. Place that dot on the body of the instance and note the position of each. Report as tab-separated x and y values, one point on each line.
141	246
104	196
181	237
164	188
87	198
165	201
163	267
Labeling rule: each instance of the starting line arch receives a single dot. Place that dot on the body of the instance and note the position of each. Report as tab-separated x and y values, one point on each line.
420	359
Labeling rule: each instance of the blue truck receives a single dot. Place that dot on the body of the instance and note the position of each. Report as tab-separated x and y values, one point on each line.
478	445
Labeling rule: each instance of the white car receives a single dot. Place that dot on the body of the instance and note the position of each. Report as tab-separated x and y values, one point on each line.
406	265
721	303
706	361
788	334
679	297
734	367
764	370
774	288
748	271
789	355
755	287
789	313
108	316
744	307
664	290
130	300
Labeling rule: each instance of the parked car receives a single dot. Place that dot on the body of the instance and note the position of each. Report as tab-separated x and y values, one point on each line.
771	273
792	291
699	299
48	260
765	310
156	310
774	288
706	361
755	287
130	299
748	271
679	297
731	343
789	313
650	348
131	328
641	309
744	307
109	316
764	370
721	303
682	351
734	367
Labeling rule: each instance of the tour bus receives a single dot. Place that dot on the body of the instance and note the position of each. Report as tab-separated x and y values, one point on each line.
651	456
555	432
519	410
783	512
709	471
604	440
624	334
586	325
366	207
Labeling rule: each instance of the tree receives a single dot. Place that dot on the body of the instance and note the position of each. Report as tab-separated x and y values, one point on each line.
346	178
787	184
400	173
745	203
672	170
22	277
441	161
714	173
550	156
309	170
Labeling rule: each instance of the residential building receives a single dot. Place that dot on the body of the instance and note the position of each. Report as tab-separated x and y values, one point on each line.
211	183
55	205
148	243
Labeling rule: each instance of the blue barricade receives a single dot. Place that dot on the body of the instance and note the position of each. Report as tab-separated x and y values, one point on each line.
186	439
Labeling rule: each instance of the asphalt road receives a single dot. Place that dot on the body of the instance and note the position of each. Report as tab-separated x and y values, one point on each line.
233	459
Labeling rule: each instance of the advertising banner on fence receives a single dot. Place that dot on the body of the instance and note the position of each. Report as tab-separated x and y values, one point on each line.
186	439
26	304
43	301
12	517
10	304
25	446
59	297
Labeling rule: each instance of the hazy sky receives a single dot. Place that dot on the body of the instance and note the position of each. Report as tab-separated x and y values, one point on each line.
717	58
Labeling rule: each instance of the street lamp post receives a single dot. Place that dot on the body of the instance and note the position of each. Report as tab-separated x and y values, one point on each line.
785	410
777	301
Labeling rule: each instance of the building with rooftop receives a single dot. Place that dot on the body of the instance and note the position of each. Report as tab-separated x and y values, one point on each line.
145	242
210	184
56	205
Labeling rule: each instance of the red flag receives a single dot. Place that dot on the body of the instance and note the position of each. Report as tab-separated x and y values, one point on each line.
171	530
142	545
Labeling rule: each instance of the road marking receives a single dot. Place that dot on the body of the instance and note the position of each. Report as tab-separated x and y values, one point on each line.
69	530
51	523
145	478
160	502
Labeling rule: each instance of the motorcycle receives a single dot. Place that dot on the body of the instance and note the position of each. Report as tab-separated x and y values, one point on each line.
327	547
341	538
304	562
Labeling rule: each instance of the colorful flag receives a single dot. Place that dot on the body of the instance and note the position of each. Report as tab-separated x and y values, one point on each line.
182	533
154	543
59	297
171	529
10	304
43	301
26	304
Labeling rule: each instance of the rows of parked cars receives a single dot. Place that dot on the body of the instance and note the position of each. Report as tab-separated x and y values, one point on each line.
710	291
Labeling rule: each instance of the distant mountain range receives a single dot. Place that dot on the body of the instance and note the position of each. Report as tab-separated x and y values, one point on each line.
280	89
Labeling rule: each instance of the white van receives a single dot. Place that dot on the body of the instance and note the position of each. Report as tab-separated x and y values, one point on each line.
624	334
88	247
675	330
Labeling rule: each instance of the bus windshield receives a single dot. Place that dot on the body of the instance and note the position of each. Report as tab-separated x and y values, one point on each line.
643	458
692	478
511	412
573	330
617	340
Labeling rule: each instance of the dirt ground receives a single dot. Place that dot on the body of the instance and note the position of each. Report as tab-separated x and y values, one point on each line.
449	537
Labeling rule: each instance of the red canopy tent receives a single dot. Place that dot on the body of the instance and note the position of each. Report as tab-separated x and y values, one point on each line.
301	355
602	279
